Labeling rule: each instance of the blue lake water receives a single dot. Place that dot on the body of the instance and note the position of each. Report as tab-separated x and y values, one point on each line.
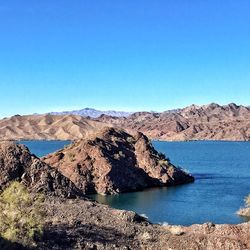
42	148
222	172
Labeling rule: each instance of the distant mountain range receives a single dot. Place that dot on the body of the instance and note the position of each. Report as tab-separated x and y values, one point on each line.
93	113
206	122
47	127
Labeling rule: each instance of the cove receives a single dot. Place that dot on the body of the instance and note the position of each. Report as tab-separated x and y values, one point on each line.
221	170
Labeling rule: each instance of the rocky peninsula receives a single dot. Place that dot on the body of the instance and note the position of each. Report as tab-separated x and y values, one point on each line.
113	161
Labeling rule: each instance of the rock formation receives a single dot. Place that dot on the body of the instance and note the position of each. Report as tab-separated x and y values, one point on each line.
112	161
17	163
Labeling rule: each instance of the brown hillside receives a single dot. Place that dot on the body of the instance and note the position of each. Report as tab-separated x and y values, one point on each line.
46	127
207	122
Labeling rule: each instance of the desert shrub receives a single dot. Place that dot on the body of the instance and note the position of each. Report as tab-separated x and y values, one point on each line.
245	211
247	200
71	156
163	162
161	155
119	155
130	139
21	215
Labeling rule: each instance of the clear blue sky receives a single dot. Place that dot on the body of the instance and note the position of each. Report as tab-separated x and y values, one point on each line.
122	54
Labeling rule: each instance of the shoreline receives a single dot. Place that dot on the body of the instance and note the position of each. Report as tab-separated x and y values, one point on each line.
154	140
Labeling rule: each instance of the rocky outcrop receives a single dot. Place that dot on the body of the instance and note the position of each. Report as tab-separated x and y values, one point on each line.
17	163
113	161
81	224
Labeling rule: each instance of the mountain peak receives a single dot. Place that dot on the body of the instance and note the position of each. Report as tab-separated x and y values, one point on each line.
93	113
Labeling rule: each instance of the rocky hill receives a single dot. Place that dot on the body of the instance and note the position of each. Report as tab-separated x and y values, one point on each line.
17	163
112	161
207	122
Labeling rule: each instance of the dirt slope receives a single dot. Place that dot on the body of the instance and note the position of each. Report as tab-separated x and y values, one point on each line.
46	127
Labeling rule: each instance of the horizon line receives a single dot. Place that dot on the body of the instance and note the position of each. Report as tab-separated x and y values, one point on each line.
118	109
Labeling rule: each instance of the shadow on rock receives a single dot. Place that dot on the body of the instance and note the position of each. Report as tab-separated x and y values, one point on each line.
80	236
8	245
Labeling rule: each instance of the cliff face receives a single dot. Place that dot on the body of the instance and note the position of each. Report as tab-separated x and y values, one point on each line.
17	163
112	161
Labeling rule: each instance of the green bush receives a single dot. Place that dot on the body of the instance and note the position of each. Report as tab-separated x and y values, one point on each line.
245	211
21	215
71	157
247	200
130	139
163	162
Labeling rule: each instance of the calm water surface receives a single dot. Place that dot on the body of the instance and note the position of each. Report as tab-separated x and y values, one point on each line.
222	172
42	148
